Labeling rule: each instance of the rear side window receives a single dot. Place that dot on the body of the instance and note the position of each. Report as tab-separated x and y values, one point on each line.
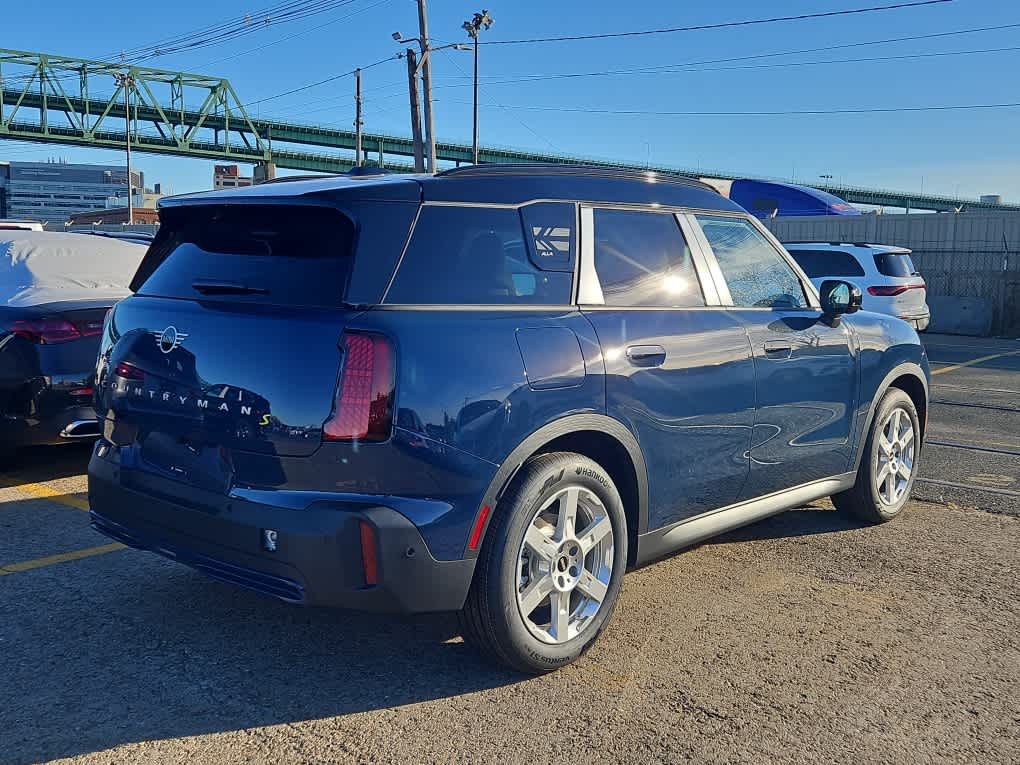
473	256
281	254
896	264
756	274
820	264
642	259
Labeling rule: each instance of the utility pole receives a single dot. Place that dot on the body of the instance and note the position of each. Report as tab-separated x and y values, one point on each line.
426	80
127	82
473	27
412	82
357	119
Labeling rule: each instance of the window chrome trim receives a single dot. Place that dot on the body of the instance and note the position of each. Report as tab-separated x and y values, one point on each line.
707	265
589	289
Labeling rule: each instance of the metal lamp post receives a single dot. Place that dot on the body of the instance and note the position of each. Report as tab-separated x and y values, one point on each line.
473	27
127	82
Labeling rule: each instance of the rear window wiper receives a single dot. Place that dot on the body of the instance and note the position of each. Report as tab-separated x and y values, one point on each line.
216	287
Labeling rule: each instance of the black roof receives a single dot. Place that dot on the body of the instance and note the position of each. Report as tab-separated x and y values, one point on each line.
480	184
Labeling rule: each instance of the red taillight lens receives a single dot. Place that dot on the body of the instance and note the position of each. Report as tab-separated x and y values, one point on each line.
364	400
892	291
128	371
46	331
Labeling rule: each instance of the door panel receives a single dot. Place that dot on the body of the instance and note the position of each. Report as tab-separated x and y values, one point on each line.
806	389
805	370
683	382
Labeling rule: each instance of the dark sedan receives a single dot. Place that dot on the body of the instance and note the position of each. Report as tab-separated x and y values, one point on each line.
55	292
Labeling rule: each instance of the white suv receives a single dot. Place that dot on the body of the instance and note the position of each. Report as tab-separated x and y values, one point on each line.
886	275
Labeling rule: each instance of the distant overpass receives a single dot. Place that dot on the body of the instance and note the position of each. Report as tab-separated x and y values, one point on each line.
39	90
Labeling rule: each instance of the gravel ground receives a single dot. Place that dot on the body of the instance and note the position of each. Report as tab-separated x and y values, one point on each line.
802	639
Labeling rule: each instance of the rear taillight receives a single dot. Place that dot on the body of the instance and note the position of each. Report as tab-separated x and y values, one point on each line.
46	331
893	290
128	371
363	408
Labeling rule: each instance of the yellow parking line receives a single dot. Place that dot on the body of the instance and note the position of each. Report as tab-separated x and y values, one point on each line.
963	364
42	491
88	552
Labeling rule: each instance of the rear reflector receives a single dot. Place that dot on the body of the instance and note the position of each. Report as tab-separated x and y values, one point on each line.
476	532
893	290
46	331
362	410
369	561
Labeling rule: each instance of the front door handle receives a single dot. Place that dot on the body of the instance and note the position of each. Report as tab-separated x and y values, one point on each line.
646	355
778	349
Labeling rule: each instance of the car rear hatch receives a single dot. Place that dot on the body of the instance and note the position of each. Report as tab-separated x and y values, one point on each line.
232	340
901	287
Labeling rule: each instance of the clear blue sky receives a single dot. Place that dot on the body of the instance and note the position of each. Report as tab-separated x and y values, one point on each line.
965	152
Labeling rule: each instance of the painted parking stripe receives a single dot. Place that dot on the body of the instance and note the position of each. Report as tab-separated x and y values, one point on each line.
42	491
972	362
49	560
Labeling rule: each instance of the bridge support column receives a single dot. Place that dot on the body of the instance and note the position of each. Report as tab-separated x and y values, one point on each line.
264	171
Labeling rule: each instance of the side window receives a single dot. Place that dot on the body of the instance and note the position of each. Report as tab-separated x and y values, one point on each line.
642	259
822	264
473	256
550	230
755	272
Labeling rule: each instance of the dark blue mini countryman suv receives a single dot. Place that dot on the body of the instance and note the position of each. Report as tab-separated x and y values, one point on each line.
490	391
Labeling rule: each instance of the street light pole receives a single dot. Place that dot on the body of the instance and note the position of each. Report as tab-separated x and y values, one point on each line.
127	82
473	27
358	122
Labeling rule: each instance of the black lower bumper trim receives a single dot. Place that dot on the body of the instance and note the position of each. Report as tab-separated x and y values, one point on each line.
317	558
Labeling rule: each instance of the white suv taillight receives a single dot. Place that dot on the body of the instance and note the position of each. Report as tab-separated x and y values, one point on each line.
363	407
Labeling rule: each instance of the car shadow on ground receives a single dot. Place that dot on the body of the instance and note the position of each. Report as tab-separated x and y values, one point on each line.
799	522
126	647
35	464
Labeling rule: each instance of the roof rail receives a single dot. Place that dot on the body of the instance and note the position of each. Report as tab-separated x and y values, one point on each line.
555	168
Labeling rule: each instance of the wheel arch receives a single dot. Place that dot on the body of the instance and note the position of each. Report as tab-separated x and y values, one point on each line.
911	379
602	439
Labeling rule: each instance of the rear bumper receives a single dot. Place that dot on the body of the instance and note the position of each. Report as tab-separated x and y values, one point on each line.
50	428
318	556
918	321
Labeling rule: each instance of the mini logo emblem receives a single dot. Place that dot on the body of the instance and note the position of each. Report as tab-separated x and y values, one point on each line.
169	338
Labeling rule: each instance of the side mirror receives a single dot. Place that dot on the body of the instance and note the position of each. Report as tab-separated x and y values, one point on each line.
838	298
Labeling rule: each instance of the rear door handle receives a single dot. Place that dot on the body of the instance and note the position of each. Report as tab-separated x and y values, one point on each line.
646	355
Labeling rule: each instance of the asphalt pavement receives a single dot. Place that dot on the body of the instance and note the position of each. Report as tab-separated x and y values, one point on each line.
805	638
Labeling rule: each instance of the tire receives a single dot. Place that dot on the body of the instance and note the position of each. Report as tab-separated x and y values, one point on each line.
868	499
554	567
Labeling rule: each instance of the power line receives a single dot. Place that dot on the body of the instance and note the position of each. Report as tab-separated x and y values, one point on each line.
295	35
779	113
316	84
751	57
720	25
694	67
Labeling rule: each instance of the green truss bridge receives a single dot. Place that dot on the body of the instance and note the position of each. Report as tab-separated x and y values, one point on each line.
56	99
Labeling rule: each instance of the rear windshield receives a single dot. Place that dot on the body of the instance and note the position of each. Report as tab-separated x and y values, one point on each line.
819	264
894	264
286	255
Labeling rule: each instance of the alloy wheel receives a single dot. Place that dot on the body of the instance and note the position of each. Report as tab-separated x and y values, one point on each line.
565	564
896	448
